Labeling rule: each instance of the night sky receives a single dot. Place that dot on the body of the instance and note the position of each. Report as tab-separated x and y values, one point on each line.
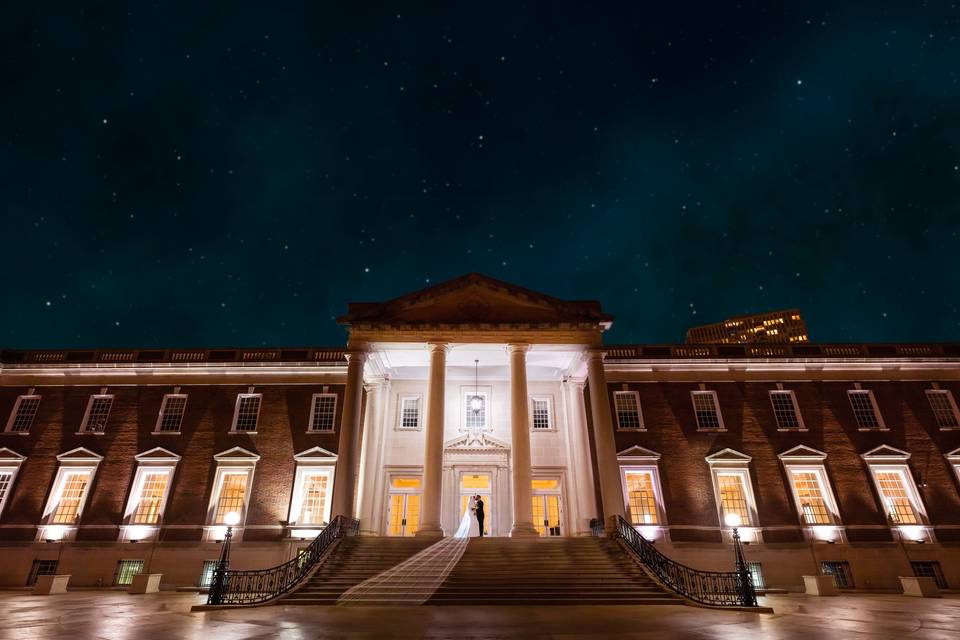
187	174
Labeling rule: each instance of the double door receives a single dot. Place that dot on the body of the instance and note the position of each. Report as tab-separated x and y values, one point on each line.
403	514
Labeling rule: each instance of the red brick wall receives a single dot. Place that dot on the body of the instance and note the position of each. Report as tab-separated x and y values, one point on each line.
281	433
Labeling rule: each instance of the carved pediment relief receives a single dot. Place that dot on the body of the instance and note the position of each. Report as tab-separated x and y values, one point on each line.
478	441
476	300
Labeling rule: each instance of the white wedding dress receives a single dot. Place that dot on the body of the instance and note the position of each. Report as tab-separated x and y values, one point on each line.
469	526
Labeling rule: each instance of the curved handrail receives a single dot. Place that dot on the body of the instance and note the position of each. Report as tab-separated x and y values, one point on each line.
260	585
713	588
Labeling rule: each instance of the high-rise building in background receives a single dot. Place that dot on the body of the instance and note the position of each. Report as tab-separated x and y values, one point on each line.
773	326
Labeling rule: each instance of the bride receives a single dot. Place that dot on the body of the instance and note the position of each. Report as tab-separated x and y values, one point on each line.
469	527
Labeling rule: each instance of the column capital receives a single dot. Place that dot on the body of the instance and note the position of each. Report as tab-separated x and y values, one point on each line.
577	382
437	346
515	347
594	353
360	355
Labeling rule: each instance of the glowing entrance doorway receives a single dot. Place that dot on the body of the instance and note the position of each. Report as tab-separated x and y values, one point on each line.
546	506
472	484
403	508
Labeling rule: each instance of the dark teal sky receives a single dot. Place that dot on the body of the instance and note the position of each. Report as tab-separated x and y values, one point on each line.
194	174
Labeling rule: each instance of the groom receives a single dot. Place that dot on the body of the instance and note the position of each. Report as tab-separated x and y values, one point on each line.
479	513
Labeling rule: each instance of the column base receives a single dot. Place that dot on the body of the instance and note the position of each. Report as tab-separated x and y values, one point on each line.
429	531
524	530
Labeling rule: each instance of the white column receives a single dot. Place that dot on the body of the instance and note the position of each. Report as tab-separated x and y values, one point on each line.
520	443
430	524
348	450
584	489
371	446
611	491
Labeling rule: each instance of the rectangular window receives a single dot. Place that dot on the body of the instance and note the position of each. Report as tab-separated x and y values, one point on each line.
930	570
944	408
810	496
785	410
627	408
313	506
6	479
126	569
323	412
71	497
247	412
756	575
233	495
896	497
171	413
733	496
707	411
642	497
475	411
41	568
150	505
98	412
541	414
865	410
24	411
841	573
206	573
410	412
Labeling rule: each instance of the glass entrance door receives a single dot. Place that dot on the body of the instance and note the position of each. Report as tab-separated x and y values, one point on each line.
403	507
472	484
546	506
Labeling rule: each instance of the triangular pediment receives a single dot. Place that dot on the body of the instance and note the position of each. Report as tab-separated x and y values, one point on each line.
802	452
728	456
885	452
475	299
483	442
953	456
157	454
236	454
80	453
315	454
636	452
9	455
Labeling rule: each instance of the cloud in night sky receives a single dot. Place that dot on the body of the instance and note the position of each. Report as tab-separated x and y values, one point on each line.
184	175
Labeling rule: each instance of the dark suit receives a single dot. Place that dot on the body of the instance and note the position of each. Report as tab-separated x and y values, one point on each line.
480	516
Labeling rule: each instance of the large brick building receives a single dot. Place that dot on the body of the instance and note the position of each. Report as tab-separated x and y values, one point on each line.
847	456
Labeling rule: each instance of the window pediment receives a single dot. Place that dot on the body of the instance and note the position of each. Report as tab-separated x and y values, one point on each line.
237	454
802	453
9	456
953	456
728	456
886	452
638	453
80	454
157	454
315	454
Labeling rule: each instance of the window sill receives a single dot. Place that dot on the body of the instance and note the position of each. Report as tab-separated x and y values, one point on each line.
793	430
949	428
631	429
549	430
711	430
872	429
166	433
314	431
414	429
242	433
91	433
14	433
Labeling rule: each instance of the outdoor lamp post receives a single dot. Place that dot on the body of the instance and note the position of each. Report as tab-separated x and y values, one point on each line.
218	588
748	596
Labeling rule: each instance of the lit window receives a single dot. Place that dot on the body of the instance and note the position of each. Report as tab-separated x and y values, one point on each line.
733	497
627	407
232	496
810	496
10	462
126	569
865	409
247	412
313	505
944	408
97	414
785	410
150	503
6	481
323	412
707	411
24	411
172	408
896	498
541	414
410	412
71	495
810	485
475	411
642	496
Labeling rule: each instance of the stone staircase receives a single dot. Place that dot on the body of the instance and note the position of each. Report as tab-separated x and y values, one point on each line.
355	559
557	571
496	571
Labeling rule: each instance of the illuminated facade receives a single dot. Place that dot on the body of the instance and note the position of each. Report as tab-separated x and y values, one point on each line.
828	453
785	326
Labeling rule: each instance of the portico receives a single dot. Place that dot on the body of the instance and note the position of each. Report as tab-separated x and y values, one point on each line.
475	381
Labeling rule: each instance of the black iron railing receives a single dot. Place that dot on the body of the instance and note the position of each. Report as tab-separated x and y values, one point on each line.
714	588
597	529
261	585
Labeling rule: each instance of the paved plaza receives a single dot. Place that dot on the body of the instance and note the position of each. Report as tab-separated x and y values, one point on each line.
116	615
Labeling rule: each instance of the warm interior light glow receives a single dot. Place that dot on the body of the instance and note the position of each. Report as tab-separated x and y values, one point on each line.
733	520
476	404
232	519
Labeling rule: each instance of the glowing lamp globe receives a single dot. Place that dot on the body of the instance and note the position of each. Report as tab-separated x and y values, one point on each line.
232	519
733	520
476	404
